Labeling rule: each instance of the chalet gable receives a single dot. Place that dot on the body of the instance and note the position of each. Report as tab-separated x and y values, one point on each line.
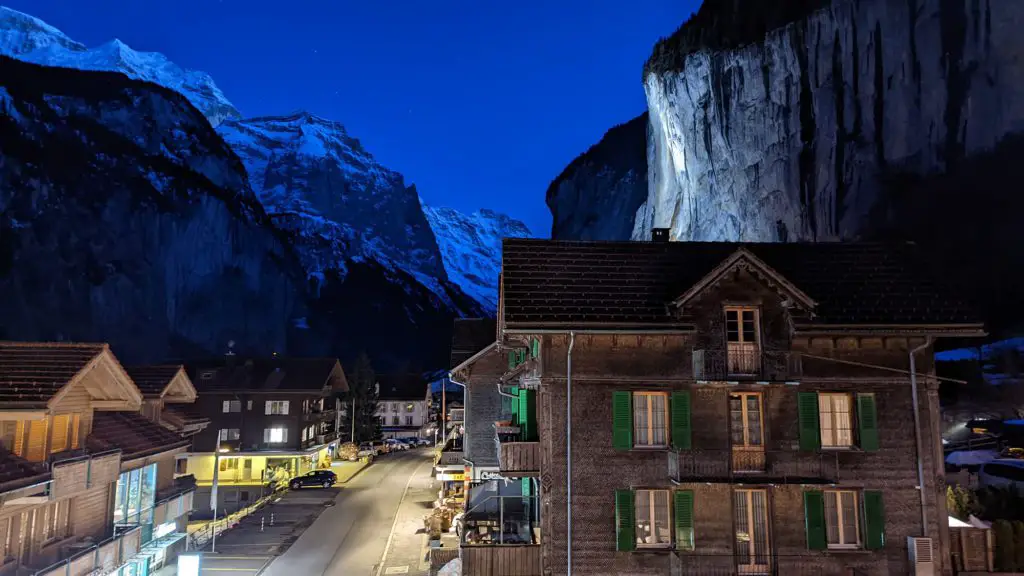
744	260
38	376
167	382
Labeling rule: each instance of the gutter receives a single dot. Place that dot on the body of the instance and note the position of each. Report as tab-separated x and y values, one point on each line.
917	434
568	450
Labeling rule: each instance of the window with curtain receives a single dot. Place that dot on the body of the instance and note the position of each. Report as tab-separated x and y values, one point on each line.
59	441
277	407
650	419
653	519
834	414
842	523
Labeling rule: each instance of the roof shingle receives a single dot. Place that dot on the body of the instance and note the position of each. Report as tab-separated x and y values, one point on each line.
631	284
32	372
133	433
470	336
152	380
267	374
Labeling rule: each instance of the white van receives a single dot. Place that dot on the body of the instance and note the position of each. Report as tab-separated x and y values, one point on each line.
1005	473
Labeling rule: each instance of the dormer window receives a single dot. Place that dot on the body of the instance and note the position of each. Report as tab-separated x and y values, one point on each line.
742	334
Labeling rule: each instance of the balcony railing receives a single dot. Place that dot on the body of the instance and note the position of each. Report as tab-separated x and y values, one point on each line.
751	363
101	558
173	505
784	466
74	474
763	563
519	458
450	458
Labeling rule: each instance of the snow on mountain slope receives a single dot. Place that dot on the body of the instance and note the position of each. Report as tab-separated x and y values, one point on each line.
27	38
321	184
471	248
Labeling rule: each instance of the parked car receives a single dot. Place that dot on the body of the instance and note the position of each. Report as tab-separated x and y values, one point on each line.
367	448
423	441
319	478
410	442
1006	473
381	446
395	444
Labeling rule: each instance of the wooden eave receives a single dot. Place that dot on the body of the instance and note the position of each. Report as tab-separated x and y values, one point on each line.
745	259
180	389
965	330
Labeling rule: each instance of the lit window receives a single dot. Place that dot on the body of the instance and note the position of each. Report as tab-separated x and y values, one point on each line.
227	464
841	521
232	406
408	407
650	419
653	527
227	434
277	407
275	435
834	415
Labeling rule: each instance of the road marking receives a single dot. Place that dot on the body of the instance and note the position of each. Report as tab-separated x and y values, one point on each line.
397	570
205	569
391	536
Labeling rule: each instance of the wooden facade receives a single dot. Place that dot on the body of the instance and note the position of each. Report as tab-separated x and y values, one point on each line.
57	479
723	419
511	560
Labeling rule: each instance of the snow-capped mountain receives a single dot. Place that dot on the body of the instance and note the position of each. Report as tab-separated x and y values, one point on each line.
27	38
320	183
471	248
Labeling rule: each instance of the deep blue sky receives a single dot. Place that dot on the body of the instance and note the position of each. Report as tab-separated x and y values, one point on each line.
478	103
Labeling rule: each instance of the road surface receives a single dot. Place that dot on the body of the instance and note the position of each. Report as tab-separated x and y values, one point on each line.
349	538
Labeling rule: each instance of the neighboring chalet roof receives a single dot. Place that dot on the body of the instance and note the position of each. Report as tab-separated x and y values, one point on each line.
402	387
470	336
134	434
163	381
184	418
556	284
35	375
16	472
275	374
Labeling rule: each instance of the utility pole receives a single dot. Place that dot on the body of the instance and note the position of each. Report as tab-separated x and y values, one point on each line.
444	414
213	492
353	419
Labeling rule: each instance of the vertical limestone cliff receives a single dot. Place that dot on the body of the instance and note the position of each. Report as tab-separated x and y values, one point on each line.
794	120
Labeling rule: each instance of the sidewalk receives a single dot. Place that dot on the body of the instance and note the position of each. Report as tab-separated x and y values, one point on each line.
407	548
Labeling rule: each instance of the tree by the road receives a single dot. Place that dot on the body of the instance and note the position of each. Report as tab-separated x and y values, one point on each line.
362	384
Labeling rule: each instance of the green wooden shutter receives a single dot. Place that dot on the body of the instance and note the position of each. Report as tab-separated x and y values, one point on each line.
874	520
867	419
528	415
681	420
625	520
514	406
810	428
526	484
511	359
814	520
684	519
534	348
622	420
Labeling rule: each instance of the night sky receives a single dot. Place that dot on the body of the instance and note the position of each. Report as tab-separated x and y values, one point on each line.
480	104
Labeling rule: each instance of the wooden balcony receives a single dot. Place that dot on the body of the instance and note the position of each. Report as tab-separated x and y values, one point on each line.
78	473
101	558
173	506
747	364
503	560
518	459
779	466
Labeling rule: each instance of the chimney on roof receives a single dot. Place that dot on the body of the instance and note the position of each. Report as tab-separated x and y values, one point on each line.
659	235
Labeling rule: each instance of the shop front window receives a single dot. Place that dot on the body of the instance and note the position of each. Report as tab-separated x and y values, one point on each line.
502	513
135	493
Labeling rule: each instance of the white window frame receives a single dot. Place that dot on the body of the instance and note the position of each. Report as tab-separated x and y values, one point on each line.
227	406
651	495
650	419
408	420
268	435
228	434
830	399
836	494
276	407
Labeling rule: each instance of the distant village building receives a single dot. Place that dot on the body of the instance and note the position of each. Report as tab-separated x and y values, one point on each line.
403	404
719	408
270	419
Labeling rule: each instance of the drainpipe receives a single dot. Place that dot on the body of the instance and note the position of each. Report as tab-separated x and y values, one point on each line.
917	433
568	451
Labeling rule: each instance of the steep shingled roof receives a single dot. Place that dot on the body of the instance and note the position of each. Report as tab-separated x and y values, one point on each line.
267	374
402	387
631	284
470	336
152	380
32	373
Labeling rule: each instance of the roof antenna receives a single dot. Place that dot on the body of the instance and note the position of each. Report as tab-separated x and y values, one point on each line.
231	345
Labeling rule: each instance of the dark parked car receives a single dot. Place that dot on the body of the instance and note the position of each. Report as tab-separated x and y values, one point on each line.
321	478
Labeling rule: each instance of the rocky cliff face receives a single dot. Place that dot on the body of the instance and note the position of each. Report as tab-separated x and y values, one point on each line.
772	124
124	218
29	39
471	249
598	194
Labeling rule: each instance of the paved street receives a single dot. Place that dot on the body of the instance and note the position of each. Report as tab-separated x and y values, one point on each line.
349	539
